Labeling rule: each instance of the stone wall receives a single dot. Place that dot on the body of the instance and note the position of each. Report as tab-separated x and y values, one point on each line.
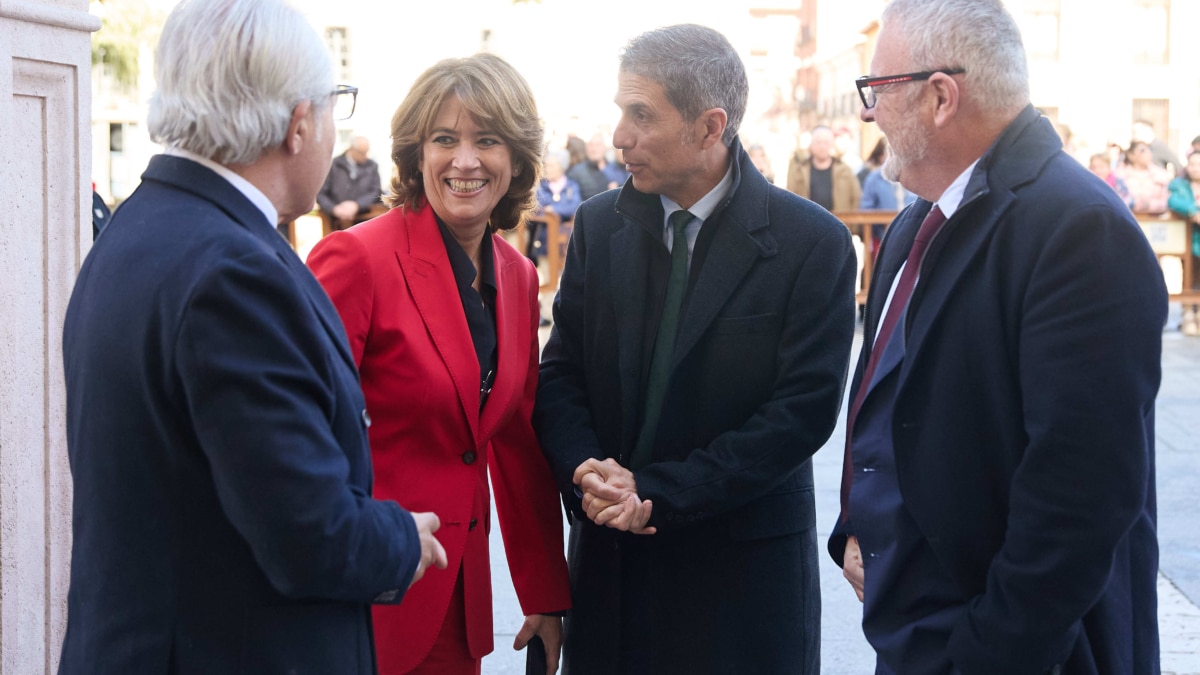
45	230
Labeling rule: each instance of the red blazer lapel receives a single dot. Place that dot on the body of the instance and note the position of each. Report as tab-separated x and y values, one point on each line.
430	280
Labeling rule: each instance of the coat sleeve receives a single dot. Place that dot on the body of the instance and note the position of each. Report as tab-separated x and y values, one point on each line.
800	413
262	388
526	499
1089	364
562	415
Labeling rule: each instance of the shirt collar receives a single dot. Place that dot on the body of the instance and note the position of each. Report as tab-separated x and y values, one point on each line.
952	196
707	204
242	185
460	262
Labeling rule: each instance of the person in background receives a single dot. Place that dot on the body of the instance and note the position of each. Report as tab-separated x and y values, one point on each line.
1184	201
576	151
758	155
998	502
847	149
1099	165
442	315
1161	154
100	213
823	178
557	193
873	160
1147	182
701	334
593	173
352	186
880	194
223	520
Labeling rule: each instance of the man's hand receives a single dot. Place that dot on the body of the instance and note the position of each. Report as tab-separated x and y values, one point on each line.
432	552
630	515
610	496
346	210
547	627
852	566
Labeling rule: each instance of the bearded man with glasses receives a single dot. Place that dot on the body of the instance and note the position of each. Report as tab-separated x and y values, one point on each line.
998	509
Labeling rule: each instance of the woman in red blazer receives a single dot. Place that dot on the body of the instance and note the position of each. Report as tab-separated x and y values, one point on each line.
442	314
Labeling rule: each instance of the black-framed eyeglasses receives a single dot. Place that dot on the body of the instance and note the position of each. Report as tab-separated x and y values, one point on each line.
866	84
344	99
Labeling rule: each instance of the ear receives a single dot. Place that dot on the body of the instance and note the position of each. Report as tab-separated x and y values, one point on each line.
299	129
947	98
711	126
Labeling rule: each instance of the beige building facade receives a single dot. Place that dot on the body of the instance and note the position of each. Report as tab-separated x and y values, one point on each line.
1095	66
44	233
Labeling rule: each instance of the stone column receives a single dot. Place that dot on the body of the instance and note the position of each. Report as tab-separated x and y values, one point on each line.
45	230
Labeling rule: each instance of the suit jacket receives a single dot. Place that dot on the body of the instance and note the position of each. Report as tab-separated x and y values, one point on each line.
729	582
847	191
393	285
223	519
1023	424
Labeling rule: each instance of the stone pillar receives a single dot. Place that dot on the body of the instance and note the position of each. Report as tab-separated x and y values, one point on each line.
45	230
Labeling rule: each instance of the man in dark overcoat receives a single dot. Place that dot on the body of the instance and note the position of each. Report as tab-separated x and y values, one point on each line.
700	344
223	519
998	510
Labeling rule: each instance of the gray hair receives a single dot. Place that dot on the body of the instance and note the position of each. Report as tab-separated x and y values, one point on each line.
978	35
230	73
697	68
561	155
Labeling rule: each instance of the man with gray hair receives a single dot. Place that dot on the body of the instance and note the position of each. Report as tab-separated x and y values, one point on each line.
998	510
701	336
352	187
216	431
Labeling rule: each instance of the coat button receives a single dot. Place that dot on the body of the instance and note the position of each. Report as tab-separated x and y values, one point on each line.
366	418
468	457
471	525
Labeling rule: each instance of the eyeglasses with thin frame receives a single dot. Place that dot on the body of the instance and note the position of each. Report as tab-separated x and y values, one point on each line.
866	84
345	97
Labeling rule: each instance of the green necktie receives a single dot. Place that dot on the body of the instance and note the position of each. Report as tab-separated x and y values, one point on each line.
664	344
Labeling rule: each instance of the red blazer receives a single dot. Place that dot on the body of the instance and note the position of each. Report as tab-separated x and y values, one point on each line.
431	446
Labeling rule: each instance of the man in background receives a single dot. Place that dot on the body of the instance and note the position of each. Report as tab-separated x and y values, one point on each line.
998	509
595	173
352	187
223	519
822	177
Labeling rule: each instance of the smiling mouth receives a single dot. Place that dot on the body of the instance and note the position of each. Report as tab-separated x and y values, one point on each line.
465	185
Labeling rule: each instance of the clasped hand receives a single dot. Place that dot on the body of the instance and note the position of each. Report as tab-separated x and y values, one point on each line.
610	496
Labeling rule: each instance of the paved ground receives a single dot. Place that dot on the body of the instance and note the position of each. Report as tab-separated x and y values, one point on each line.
843	649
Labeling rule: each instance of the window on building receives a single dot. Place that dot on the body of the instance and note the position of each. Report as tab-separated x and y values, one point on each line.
337	39
1151	23
1040	29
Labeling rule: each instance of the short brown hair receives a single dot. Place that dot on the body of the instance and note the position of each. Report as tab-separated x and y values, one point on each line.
497	97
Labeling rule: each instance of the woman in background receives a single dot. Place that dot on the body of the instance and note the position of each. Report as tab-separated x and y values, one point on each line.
1185	202
1147	182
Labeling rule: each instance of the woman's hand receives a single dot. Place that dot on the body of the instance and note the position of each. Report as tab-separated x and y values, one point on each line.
547	627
